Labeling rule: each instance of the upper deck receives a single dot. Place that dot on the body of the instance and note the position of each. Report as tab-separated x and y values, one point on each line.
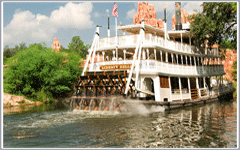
154	38
156	51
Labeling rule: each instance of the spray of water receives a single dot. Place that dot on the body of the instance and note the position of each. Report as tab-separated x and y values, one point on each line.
137	107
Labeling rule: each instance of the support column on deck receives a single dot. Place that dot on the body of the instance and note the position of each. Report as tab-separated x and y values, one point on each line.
124	54
155	54
144	54
103	53
147	57
204	80
156	81
177	58
204	84
97	56
169	79
189	87
166	56
194	59
181	42
172	57
182	59
114	57
198	61
190	41
199	92
142	87
186	60
167	60
190	60
117	53
161	55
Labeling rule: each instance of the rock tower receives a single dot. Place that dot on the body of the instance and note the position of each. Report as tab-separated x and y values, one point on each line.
56	45
147	13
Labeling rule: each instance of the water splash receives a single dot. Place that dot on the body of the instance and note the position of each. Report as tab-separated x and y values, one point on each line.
137	107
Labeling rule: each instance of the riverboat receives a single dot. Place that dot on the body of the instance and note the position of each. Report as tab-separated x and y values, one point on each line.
152	66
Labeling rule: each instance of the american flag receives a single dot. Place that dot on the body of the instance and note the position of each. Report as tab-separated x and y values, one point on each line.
114	11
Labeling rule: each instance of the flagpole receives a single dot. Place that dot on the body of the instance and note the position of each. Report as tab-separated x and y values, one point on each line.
116	39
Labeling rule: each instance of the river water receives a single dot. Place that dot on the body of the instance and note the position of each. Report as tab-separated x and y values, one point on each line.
212	125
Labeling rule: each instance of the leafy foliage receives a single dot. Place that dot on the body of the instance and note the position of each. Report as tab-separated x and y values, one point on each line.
9	52
38	70
234	72
78	46
216	23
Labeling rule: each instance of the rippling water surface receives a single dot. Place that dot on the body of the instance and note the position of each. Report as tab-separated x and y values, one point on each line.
209	126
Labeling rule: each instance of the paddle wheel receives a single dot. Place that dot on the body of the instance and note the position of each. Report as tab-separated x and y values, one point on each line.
101	90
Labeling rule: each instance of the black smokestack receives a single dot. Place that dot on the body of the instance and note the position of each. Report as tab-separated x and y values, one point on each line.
108	22
178	25
165	18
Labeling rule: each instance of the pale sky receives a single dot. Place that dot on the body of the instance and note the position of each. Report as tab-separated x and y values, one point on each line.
36	22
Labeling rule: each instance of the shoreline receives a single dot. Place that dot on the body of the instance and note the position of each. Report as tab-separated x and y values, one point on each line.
15	103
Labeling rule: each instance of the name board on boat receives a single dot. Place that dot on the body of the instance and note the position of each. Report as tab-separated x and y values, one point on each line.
115	67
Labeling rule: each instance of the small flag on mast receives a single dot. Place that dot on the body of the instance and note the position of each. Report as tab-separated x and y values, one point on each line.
114	11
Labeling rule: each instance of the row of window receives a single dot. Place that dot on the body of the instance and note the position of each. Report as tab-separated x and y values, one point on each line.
164	82
183	59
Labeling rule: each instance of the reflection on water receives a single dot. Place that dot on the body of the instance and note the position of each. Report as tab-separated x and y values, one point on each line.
211	125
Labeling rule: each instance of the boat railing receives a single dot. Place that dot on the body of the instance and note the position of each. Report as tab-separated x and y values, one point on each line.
203	92
121	40
153	39
177	91
176	94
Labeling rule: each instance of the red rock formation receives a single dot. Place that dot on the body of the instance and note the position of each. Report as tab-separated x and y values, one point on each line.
230	57
147	13
56	45
184	18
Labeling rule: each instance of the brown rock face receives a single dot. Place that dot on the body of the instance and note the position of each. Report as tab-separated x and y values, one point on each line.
56	45
147	13
230	57
184	18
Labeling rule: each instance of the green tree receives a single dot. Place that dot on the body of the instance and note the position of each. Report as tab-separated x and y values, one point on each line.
78	46
234	72
9	52
216	23
38	70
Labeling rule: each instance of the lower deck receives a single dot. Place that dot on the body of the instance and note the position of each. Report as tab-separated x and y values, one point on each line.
119	103
160	88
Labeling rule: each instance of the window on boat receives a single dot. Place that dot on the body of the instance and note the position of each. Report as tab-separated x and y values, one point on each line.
169	58
164	82
192	59
188	60
184	83
163	56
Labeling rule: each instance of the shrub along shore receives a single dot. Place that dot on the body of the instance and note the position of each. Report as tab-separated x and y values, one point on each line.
40	74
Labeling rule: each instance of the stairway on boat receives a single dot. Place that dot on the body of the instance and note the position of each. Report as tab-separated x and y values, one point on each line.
194	93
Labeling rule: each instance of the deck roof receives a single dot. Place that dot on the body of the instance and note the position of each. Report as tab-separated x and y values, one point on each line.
135	28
